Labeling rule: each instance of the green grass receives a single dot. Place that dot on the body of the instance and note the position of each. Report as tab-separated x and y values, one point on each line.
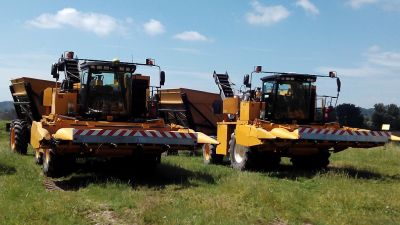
361	187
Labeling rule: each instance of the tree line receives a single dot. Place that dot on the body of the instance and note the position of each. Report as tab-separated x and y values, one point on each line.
351	115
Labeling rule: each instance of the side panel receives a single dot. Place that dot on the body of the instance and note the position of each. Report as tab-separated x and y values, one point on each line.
224	132
47	97
62	102
249	110
38	133
231	105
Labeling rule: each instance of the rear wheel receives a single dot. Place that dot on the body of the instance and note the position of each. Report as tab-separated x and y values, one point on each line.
268	160
210	155
241	156
19	136
50	164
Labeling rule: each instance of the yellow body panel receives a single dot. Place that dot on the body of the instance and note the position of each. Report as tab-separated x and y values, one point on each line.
285	134
394	138
231	105
65	134
63	103
250	110
204	139
249	135
38	133
47	97
222	138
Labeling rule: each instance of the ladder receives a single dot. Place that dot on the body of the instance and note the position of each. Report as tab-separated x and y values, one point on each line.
224	85
71	70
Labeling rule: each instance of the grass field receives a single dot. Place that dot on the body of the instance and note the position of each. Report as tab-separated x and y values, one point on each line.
360	187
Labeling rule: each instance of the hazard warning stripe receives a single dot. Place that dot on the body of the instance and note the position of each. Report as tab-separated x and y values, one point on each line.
343	135
342	132
133	136
140	133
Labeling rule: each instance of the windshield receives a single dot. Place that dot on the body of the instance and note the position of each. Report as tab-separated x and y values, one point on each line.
107	92
287	100
104	93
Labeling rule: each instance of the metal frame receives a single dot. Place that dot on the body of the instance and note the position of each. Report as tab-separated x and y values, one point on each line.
25	106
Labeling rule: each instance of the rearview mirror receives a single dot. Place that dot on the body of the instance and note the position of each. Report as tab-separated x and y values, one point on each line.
339	84
162	78
246	80
54	71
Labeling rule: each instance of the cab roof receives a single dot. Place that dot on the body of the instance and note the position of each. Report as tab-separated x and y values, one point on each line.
108	65
290	76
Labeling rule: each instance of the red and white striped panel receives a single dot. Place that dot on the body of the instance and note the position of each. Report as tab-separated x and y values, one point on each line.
133	136
343	135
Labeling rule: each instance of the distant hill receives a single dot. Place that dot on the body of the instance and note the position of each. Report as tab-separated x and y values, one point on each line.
7	111
6	106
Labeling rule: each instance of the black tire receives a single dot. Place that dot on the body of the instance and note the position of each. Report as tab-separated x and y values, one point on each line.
241	156
146	161
38	157
55	165
152	160
210	155
19	136
267	160
316	161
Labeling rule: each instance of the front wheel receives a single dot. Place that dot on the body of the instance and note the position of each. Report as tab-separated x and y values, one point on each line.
240	155
55	165
210	155
38	157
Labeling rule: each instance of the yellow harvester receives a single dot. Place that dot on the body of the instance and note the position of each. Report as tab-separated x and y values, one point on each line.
100	109
282	117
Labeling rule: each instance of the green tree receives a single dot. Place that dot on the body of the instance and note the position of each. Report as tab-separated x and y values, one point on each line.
350	115
386	114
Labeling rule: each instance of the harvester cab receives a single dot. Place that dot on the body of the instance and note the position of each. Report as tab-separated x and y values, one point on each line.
284	117
109	90
292	97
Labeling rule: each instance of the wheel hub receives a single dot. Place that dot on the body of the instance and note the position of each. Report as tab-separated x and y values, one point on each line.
239	154
47	156
12	139
206	152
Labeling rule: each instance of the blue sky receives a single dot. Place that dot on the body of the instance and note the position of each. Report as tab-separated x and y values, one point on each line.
360	39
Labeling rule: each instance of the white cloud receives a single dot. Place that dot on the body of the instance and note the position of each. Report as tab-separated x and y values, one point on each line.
191	36
374	79
308	6
100	24
381	58
187	50
266	15
388	5
154	27
376	63
359	3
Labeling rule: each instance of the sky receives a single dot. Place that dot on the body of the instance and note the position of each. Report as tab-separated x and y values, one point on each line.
359	39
